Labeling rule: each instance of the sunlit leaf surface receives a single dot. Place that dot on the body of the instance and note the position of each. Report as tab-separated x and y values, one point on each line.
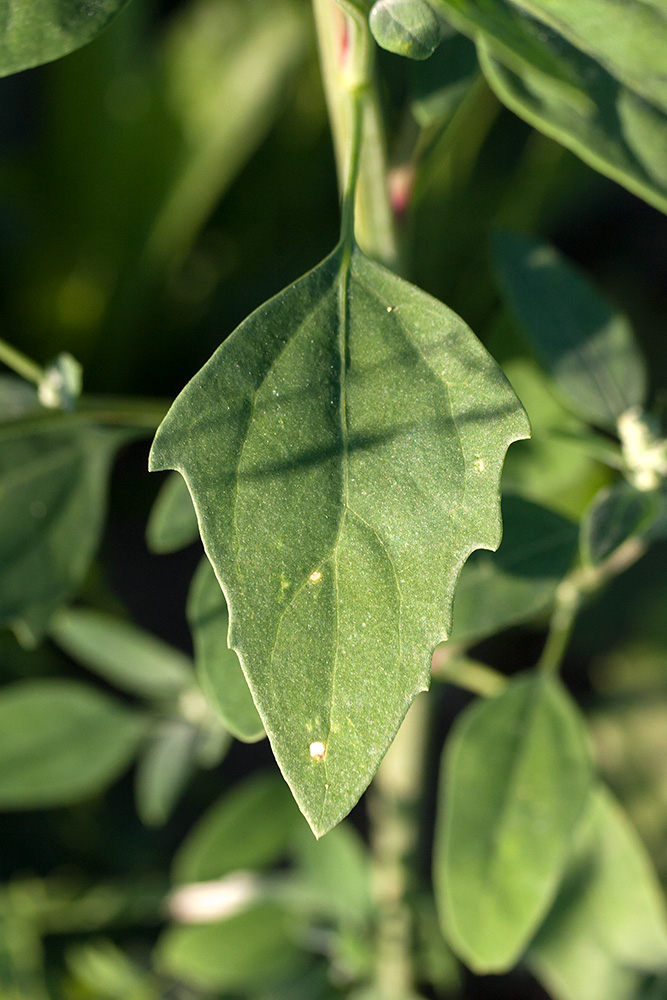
343	450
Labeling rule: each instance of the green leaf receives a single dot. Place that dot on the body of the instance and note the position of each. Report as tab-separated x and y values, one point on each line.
60	742
520	579
218	667
335	873
608	924
249	827
439	84
17	398
53	485
601	92
407	27
172	523
616	513
164	769
515	776
41	30
343	450
122	653
583	343
243	952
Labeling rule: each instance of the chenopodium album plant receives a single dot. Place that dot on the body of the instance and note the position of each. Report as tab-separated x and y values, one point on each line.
343	451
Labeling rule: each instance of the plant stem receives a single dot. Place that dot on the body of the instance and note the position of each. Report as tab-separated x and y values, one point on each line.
467	673
570	595
21	364
393	811
346	58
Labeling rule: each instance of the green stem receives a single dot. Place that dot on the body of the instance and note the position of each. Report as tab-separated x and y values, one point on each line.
21	364
393	812
142	414
467	673
583	581
346	58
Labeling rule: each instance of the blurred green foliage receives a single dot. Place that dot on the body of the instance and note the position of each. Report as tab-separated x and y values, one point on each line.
156	186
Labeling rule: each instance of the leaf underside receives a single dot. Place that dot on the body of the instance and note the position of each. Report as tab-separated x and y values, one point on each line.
343	450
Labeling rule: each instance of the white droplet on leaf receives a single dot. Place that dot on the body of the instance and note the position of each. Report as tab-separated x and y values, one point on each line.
317	750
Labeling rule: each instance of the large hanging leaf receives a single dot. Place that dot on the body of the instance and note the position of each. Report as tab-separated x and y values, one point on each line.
601	91
586	346
515	777
608	926
38	31
53	483
60	742
343	450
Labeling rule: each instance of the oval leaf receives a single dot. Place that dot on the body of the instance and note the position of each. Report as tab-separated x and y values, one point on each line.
249	950
164	769
122	653
53	486
407	27
60	742
515	776
172	523
218	667
41	30
343	450
249	827
583	343
608	924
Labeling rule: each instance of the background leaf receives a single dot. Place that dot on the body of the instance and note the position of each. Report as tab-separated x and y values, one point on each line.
218	667
585	346
42	30
235	834
515	775
60	742
243	952
601	93
608	926
349	434
496	590
617	513
164	769
53	484
124	654
172	523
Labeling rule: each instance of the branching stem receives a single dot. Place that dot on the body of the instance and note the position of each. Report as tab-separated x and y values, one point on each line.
20	364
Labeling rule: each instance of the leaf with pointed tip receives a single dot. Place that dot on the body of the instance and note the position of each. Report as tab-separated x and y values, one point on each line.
343	451
515	777
41	30
218	667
